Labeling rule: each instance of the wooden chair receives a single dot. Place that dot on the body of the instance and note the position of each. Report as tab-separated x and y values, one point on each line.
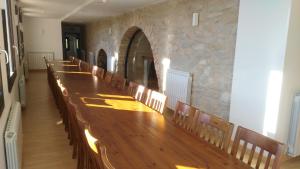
92	152
132	88
103	160
71	58
76	61
74	128
142	94
85	156
108	77
157	101
213	129
100	73
118	82
265	145
139	92
184	115
94	70
62	98
84	66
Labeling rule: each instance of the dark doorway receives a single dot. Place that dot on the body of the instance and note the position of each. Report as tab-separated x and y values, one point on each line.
139	63
73	37
102	59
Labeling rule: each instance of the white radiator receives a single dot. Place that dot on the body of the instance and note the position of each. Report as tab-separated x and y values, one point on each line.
14	138
294	135
36	59
178	87
22	91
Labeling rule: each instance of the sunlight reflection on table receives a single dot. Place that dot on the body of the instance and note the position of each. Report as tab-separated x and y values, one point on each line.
186	167
116	104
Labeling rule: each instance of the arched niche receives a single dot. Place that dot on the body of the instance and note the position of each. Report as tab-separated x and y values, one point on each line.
102	59
136	59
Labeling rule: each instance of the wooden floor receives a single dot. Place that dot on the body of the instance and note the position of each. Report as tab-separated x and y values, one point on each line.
45	144
293	163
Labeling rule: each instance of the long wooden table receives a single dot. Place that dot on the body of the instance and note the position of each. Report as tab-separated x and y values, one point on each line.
137	137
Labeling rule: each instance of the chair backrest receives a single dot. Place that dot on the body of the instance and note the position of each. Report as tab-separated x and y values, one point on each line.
103	160
265	145
100	73
94	70
142	94
213	129
118	82
84	66
139	92
75	61
184	115
108	77
71	59
132	88
157	101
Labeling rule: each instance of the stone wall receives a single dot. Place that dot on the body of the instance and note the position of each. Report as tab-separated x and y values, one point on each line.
207	51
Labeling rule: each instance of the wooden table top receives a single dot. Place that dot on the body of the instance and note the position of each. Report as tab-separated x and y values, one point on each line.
137	137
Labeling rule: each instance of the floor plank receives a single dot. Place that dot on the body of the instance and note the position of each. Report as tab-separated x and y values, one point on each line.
293	163
45	144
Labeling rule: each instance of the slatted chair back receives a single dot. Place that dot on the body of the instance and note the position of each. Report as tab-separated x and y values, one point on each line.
86	153
118	82
184	115
142	94
100	73
103	160
108	77
75	61
92	152
245	138
139	92
73	128
63	97
94	70
213	129
72	59
132	88
84	66
157	101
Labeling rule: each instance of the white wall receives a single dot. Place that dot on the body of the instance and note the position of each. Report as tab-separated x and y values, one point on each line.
9	98
291	76
259	58
43	35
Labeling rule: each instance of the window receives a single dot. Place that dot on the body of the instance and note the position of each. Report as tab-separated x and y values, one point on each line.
67	43
20	43
77	43
5	48
12	48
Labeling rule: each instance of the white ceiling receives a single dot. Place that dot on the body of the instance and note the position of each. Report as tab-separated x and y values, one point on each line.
81	10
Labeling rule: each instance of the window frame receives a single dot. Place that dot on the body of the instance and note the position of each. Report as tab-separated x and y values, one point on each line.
11	65
2	102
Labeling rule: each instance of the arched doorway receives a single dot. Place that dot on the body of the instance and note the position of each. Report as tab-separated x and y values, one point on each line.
139	62
102	59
